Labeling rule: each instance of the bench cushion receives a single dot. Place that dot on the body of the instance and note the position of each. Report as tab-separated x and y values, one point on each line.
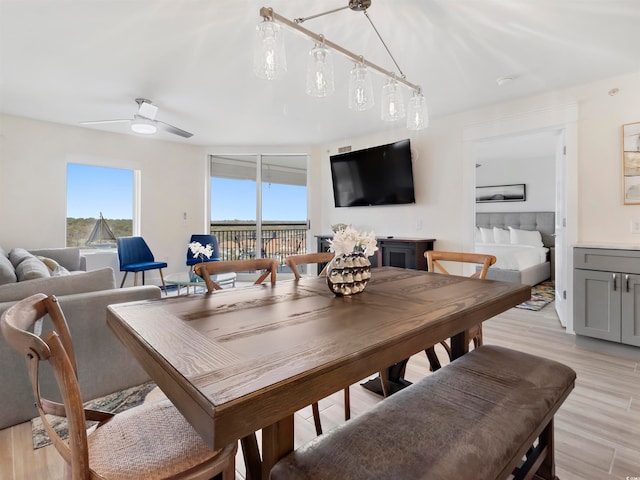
467	420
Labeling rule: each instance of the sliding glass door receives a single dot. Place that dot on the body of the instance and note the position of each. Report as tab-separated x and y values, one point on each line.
259	205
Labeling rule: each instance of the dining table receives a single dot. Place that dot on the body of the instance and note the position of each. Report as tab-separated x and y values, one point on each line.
246	359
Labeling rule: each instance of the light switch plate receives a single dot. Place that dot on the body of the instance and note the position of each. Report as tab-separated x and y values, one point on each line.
635	227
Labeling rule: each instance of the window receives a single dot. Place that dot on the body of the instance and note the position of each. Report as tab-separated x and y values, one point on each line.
95	192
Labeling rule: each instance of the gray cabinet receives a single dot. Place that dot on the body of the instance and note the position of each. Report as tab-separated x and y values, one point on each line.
607	294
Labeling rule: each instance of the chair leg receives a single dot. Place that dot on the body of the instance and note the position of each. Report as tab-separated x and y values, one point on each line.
347	404
434	362
143	277
164	286
123	279
316	418
384	382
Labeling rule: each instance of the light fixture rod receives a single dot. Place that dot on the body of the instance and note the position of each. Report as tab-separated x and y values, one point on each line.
385	45
268	13
304	19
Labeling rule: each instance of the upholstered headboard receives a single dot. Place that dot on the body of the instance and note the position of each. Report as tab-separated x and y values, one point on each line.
544	222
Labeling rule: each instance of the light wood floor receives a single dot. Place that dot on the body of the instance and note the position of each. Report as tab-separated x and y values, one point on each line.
597	428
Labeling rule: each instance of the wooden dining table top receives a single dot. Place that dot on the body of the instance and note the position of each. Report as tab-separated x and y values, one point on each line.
244	359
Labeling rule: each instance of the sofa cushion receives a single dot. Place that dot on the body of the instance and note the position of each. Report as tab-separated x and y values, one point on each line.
68	257
7	272
30	268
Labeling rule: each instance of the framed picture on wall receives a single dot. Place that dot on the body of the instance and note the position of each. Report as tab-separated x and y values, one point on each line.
631	163
501	193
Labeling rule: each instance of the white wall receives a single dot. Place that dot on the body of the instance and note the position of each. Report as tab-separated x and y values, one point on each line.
33	160
444	184
538	175
33	157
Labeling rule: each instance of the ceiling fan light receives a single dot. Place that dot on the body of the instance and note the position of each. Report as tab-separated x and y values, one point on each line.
269	58
417	112
143	126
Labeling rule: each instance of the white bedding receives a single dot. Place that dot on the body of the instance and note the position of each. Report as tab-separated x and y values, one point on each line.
513	257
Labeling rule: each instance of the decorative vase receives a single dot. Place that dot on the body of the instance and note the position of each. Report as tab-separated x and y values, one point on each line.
348	274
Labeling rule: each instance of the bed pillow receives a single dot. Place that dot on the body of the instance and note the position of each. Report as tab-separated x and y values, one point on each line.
501	235
525	237
487	235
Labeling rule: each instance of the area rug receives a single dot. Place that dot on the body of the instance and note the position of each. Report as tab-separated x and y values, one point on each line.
114	403
541	296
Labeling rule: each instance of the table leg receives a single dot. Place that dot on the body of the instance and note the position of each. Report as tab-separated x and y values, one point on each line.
277	441
459	344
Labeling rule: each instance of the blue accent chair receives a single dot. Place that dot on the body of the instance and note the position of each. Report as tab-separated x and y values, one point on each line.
204	240
135	256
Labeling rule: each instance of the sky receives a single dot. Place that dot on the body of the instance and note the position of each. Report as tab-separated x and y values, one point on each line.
91	190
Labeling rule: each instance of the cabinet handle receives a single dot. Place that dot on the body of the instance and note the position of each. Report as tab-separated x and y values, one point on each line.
626	281
614	281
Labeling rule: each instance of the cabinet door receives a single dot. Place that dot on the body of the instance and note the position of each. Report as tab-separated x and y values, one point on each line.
597	304
398	254
630	323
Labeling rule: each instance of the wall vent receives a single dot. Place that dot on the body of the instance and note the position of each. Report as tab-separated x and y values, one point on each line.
344	149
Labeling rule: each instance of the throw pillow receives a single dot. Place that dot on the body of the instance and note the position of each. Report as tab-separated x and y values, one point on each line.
17	255
55	269
30	269
487	235
525	237
7	272
501	235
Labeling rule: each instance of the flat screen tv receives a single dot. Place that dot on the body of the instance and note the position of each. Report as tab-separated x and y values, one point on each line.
381	175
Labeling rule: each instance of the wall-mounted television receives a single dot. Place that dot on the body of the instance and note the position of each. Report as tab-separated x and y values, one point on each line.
381	175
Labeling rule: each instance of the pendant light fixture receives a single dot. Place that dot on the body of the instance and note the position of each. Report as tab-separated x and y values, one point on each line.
392	102
360	88
320	71
417	113
269	59
270	64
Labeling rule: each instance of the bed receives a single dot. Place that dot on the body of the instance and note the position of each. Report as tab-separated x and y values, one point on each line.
523	255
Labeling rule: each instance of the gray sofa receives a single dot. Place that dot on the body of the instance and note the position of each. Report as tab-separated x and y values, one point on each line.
104	364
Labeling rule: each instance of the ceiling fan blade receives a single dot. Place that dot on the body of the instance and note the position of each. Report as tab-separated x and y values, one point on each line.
175	130
95	122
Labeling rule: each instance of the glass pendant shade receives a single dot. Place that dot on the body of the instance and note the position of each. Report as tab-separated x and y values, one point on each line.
360	88
417	113
269	59
320	72
392	101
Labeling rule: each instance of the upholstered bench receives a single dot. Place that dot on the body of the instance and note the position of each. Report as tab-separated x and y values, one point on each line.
484	416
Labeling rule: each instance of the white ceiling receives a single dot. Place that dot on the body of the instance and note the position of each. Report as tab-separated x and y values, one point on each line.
69	61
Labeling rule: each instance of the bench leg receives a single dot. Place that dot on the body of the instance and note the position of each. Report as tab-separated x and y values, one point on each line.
540	462
547	469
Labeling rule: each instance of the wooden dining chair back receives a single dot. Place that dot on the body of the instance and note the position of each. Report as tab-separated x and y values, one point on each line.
306	259
269	267
484	261
434	258
149	441
309	258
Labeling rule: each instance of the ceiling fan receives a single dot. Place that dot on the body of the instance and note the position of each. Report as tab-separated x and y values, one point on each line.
144	121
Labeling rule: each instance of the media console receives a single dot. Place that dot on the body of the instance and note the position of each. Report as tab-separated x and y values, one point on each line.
392	251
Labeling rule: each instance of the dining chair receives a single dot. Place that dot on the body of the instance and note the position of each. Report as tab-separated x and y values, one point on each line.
305	259
434	257
134	255
204	240
205	270
152	440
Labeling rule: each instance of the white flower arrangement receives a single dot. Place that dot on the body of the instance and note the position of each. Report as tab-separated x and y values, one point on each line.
348	239
200	251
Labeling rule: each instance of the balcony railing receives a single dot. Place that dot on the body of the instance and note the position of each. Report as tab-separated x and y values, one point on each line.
238	240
